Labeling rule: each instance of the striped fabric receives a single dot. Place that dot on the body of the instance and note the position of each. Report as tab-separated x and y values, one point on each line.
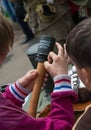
18	91
62	83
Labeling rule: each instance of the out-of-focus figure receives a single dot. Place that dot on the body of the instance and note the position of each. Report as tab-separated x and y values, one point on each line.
8	6
49	17
20	13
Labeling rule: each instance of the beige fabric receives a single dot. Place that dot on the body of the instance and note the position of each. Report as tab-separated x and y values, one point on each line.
60	24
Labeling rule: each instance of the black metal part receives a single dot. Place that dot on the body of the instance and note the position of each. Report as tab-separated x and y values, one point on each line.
46	44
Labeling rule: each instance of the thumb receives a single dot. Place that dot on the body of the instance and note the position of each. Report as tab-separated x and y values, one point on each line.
34	74
47	65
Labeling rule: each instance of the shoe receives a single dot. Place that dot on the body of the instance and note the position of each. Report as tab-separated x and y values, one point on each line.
28	39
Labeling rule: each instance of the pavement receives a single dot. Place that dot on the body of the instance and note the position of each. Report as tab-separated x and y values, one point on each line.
17	62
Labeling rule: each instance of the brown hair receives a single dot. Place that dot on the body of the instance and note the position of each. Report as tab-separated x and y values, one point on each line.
78	44
6	35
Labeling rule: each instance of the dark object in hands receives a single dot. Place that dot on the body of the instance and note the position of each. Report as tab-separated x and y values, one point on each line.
46	45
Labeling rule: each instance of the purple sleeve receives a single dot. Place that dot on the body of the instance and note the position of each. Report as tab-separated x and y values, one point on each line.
16	93
61	116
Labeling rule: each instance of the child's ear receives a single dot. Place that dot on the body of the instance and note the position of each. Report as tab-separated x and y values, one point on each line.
86	72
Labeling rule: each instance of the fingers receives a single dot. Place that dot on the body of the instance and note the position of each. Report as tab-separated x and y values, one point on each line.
60	49
59	61
46	64
45	79
32	74
51	56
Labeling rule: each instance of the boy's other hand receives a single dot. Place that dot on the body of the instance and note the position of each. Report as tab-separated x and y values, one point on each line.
27	81
57	63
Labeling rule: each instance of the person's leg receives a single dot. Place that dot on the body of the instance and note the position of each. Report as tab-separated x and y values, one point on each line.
27	31
20	13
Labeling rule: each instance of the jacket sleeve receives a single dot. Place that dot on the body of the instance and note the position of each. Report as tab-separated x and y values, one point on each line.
16	93
61	116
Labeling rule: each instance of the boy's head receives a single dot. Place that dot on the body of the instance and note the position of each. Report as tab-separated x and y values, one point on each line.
78	44
6	36
78	47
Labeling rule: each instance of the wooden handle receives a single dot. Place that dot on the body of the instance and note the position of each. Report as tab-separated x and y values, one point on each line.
36	89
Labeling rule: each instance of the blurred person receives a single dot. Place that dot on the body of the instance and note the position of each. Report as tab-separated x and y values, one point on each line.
9	9
20	13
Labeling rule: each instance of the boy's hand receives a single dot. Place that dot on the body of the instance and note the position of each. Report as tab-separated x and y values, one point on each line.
27	81
57	63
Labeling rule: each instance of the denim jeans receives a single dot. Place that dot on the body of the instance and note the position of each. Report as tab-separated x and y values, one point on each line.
9	7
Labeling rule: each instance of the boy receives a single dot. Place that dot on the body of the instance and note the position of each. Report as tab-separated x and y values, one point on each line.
12	117
78	46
